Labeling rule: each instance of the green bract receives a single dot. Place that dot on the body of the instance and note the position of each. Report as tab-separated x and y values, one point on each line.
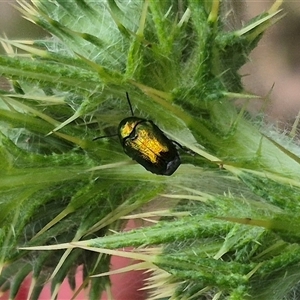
226	222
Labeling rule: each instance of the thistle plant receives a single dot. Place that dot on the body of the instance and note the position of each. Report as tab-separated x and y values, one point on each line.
225	224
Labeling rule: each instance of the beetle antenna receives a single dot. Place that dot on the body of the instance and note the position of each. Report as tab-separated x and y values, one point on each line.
104	136
130	106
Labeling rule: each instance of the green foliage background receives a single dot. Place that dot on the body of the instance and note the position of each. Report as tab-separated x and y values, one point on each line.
228	218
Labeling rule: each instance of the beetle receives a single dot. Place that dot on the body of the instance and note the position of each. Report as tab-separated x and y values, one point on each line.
145	143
